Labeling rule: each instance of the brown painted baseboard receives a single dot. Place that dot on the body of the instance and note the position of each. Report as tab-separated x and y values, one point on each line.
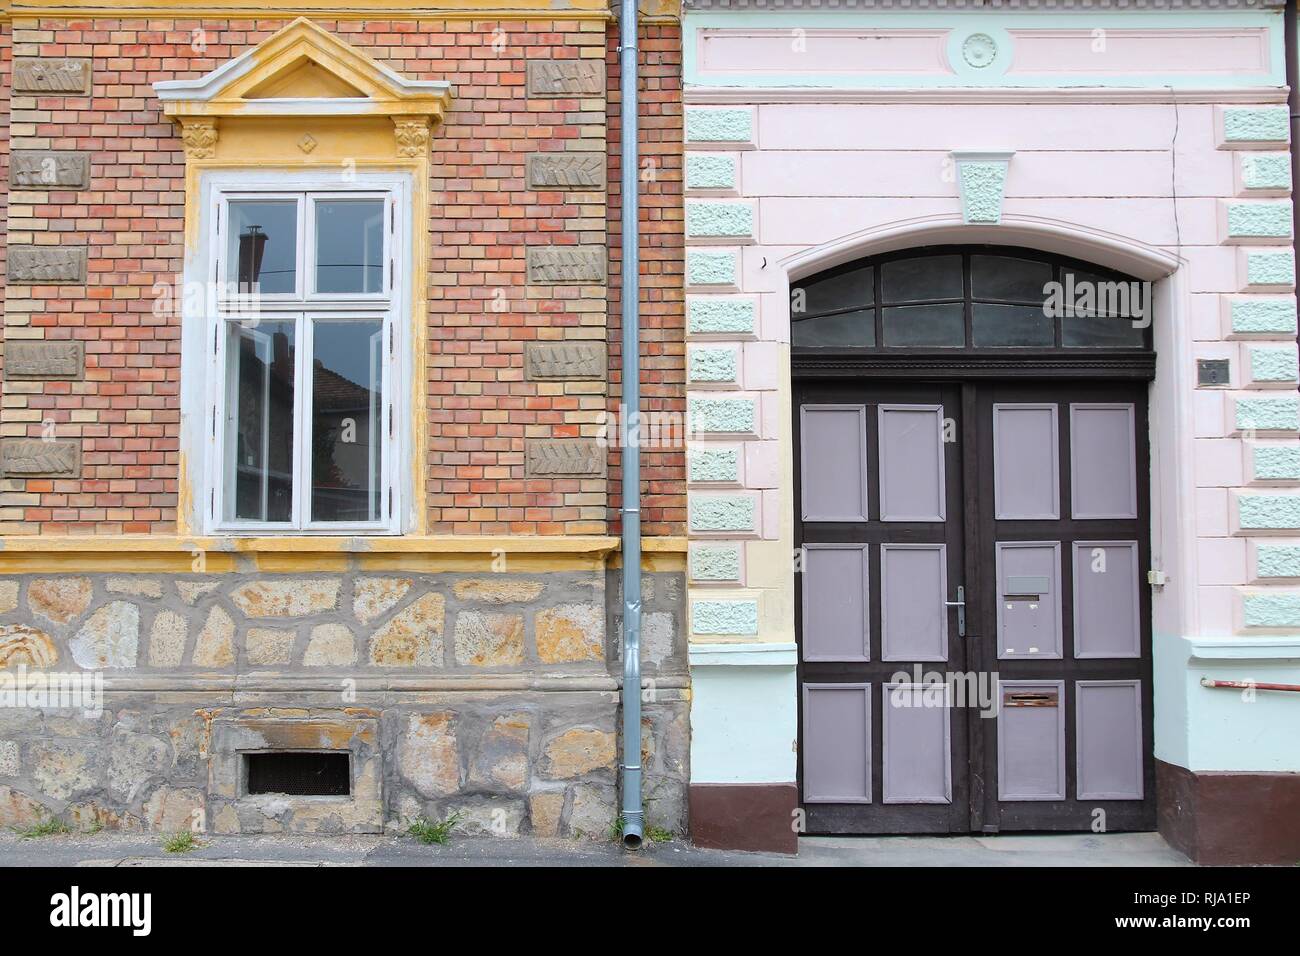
1229	818
744	816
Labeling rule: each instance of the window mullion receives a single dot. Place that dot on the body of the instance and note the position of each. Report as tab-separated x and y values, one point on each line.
302	421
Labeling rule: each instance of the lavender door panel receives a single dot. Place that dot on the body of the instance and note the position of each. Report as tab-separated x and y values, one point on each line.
1029	599
911	463
1031	740
1103	474
1106	608
837	743
1026	479
835	603
1108	732
913	588
833	462
917	752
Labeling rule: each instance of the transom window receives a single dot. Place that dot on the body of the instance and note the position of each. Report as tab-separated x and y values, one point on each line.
969	298
304	344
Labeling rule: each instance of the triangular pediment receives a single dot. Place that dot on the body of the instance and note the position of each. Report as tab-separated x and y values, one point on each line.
303	70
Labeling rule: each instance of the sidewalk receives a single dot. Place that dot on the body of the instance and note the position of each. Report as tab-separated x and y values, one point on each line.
123	849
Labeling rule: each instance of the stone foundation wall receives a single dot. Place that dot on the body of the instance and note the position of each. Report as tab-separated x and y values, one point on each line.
492	696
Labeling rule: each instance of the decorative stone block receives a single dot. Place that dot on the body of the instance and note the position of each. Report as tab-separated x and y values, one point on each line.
722	513
558	361
566	171
706	171
1268	512
1270	268
1275	462
49	169
570	633
710	562
566	77
1277	560
39	458
981	181
721	415
489	640
713	464
1246	125
711	365
556	265
1272	365
1263	316
47	265
1266	171
724	617
51	75
709	267
720	315
44	360
550	457
1267	414
1270	610
719	125
1263	220
707	219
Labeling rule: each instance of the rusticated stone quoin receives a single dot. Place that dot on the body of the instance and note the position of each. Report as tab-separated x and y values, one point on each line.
566	171
546	361
47	265
38	458
49	169
50	75
556	265
547	457
566	77
55	360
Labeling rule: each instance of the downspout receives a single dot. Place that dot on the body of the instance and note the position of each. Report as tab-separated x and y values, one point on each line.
629	431
1292	51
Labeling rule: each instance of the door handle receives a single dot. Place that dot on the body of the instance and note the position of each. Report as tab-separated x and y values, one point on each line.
960	605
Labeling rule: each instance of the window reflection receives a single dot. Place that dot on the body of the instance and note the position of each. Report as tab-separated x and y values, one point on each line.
346	409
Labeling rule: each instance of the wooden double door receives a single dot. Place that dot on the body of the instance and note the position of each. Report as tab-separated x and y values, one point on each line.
973	613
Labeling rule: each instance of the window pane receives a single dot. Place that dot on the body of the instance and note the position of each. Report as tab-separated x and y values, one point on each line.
852	289
848	329
346	420
1000	277
259	456
1098	311
926	325
350	245
1010	325
1114	332
262	254
929	277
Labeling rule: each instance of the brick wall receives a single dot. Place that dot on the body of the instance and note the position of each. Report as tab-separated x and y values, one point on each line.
126	412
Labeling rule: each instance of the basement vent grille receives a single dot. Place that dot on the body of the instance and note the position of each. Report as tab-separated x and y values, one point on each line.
299	774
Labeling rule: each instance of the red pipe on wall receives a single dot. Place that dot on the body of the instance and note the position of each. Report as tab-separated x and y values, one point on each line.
1249	685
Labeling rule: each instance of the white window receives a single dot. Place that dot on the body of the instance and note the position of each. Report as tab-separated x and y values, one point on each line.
307	289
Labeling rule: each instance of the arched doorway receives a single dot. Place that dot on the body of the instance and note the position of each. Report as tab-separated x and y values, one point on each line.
972	515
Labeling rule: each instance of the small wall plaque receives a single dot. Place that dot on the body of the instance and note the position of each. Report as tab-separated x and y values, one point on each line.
552	265
564	360
566	171
559	457
42	265
1213	372
48	75
566	77
44	360
49	169
38	458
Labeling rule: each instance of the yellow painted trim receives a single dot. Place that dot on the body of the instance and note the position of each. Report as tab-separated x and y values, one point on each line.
328	9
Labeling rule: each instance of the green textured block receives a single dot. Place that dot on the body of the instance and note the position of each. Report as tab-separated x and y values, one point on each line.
982	185
1266	170
1269	512
704	171
722	513
712	365
1276	462
1277	561
1272	364
1271	610
1259	220
724	617
1263	316
721	415
1255	124
713	464
715	563
705	267
719	220
718	125
718	315
1268	414
1270	268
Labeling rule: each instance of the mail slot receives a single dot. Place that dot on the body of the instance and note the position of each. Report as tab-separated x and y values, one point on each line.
1012	698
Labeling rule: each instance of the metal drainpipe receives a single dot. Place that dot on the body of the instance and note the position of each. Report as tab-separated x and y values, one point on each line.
631	237
1290	47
